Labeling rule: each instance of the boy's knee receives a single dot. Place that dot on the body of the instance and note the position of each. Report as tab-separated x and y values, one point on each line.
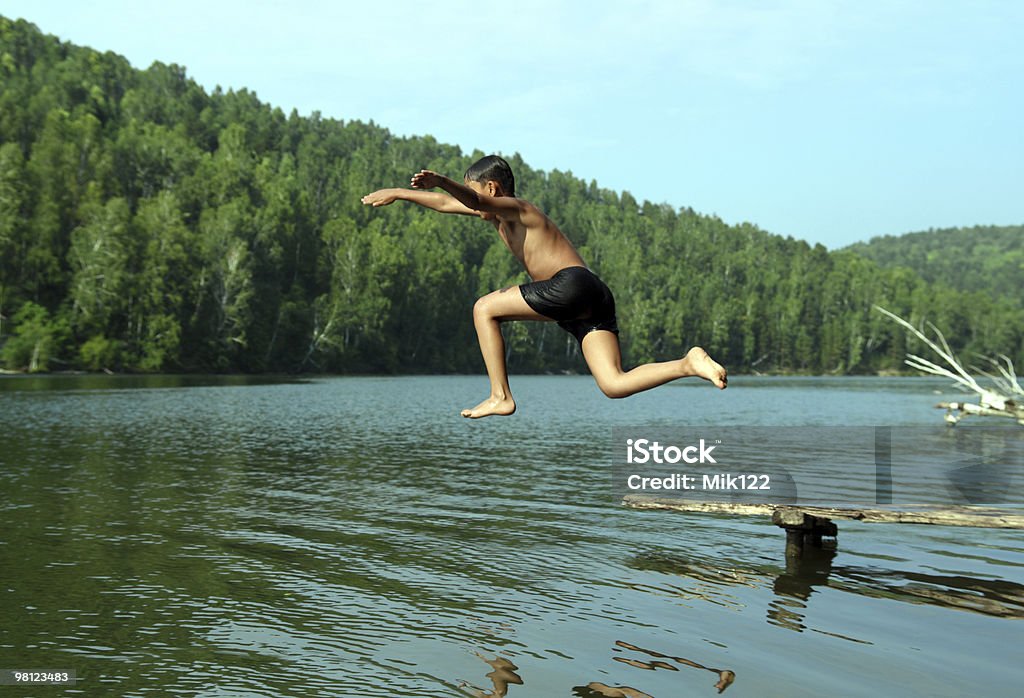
482	308
611	388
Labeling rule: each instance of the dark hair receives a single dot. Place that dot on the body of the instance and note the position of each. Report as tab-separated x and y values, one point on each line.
493	167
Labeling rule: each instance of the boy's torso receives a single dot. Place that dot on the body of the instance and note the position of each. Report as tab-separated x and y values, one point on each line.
541	248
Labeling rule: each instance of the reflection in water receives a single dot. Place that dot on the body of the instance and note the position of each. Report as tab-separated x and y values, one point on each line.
794	585
990	597
596	688
172	538
712	578
725	676
503	673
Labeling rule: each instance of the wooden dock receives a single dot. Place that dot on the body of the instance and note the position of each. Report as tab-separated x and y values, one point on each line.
808	525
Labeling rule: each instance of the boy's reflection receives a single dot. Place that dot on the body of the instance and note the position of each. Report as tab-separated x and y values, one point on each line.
503	673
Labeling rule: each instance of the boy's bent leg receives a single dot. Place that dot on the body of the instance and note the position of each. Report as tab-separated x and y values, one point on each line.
603	357
488	314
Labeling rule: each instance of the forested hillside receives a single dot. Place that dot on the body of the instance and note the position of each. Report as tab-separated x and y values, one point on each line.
148	225
982	258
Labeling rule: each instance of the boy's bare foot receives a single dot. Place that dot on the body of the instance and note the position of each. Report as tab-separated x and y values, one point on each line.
700	364
502	406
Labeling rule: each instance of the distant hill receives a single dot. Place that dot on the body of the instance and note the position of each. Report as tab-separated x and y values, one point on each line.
983	258
149	225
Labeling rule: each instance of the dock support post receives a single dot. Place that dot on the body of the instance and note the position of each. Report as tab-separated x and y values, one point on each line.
802	528
794	542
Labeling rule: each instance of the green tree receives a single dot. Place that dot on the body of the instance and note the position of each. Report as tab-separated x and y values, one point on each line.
13	232
36	340
167	291
362	265
100	255
225	281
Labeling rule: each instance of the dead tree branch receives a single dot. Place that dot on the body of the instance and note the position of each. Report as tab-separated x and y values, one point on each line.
1004	399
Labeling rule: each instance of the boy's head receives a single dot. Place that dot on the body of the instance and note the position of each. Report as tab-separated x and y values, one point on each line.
493	168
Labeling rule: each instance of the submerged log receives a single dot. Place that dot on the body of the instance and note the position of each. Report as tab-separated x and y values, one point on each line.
955	411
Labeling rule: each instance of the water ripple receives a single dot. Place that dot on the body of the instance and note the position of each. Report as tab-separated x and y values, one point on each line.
225	538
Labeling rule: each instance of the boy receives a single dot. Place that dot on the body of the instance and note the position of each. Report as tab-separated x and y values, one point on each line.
563	290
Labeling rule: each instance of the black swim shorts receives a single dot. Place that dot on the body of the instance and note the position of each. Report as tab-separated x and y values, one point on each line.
576	298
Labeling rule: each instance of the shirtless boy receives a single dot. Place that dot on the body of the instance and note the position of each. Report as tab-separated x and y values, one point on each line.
563	290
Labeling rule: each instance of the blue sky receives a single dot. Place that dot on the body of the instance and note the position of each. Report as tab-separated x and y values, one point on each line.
828	121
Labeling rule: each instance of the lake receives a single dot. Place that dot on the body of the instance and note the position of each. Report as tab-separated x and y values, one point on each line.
355	537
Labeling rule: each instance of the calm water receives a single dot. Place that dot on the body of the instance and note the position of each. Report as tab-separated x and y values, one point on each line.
355	537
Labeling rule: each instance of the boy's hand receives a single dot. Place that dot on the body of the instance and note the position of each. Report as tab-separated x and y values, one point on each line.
426	179
381	197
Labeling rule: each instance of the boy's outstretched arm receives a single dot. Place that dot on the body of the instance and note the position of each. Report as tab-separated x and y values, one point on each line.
506	206
428	199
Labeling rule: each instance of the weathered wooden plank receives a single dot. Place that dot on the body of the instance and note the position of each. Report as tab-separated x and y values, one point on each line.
792	514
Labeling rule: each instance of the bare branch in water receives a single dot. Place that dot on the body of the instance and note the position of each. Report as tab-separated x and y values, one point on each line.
998	401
